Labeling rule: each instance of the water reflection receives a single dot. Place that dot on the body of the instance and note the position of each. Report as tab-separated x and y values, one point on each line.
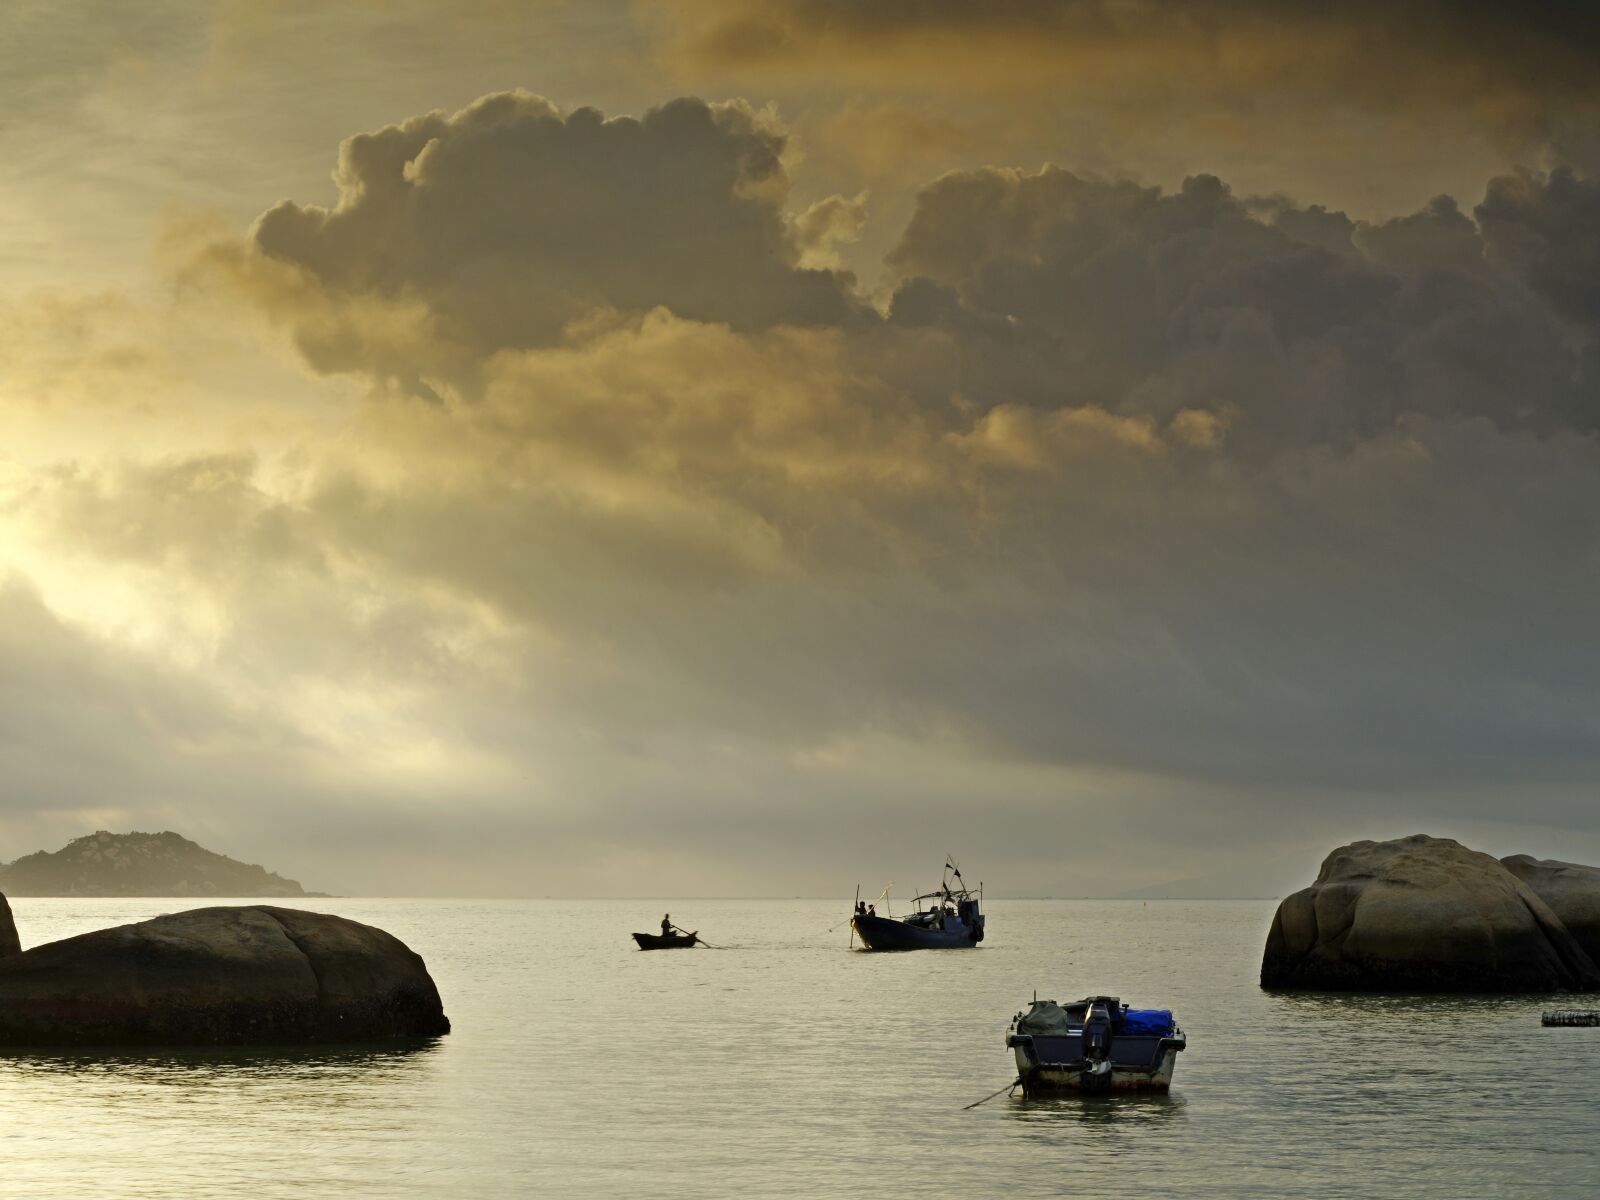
338	1071
1435	1009
1125	1112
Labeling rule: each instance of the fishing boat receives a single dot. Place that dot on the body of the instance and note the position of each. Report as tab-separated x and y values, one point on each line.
677	940
945	919
1097	1044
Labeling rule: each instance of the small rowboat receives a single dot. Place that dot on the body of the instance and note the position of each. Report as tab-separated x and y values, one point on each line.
666	941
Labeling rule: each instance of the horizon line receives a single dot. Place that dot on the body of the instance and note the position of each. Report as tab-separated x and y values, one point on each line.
673	899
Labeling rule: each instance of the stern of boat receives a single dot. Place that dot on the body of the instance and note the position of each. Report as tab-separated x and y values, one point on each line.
1049	1065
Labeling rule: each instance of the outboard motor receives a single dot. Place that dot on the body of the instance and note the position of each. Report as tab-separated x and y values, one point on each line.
1095	1074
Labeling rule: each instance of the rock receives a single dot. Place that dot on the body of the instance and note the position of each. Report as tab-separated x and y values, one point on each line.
1572	892
9	944
1421	914
254	975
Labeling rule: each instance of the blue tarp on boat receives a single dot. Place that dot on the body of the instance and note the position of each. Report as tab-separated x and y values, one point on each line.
1147	1022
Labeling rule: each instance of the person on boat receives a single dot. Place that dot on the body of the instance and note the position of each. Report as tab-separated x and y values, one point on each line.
872	910
861	908
666	925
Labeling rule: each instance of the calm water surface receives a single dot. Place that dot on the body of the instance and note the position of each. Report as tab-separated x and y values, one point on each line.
784	1065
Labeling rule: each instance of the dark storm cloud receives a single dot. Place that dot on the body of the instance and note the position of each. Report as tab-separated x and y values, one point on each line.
1148	481
1547	227
507	220
1374	105
1547	48
1297	326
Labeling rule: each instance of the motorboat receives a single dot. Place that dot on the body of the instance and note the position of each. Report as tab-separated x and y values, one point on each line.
1097	1044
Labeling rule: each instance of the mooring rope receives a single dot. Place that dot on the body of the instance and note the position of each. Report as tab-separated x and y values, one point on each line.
1008	1088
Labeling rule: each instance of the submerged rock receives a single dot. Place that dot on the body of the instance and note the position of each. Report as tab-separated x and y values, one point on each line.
1572	891
219	976
1421	914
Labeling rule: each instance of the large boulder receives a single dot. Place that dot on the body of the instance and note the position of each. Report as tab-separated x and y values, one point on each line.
256	975
1421	914
1572	892
8	940
9	944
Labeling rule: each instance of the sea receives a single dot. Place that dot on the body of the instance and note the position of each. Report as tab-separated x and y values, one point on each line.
782	1063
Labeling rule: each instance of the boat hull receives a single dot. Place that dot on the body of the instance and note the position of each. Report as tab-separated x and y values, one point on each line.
885	933
670	941
1052	1065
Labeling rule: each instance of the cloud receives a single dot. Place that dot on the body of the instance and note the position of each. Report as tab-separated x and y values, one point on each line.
68	350
1508	65
830	222
1545	227
1169	508
495	227
1366	108
1299	327
1085	482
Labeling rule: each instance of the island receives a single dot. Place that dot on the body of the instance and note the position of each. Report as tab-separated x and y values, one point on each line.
140	864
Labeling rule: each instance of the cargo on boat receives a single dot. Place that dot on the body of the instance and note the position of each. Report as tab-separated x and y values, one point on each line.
1097	1044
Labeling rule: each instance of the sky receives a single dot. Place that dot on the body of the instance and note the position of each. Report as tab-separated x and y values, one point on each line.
719	448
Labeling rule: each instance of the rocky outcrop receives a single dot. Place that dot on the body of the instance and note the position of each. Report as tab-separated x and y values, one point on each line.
1572	892
1421	914
139	864
256	975
9	944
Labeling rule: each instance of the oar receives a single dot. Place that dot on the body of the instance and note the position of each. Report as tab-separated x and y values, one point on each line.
1008	1087
696	937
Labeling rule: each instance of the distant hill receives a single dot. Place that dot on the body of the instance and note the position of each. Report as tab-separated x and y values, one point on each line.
139	864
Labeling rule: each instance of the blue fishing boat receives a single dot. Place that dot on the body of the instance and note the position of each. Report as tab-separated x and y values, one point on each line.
946	919
1097	1044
